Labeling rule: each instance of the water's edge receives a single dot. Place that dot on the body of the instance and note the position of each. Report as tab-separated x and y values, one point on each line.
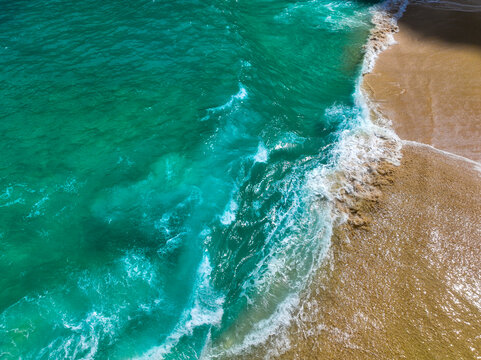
361	156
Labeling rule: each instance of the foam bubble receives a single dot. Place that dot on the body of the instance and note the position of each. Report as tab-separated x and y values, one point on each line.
239	96
229	215
289	140
206	309
384	17
137	267
262	154
38	207
265	329
242	94
85	338
332	16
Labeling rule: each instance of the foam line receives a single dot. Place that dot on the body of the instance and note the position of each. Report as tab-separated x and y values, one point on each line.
476	165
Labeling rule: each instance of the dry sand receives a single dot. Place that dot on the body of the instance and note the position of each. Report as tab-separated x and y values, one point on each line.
429	83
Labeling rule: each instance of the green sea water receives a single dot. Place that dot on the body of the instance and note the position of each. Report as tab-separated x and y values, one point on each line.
154	200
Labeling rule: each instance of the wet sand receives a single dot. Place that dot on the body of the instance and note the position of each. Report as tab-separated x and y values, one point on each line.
407	283
429	83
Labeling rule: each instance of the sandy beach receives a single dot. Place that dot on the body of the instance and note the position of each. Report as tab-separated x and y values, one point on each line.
429	83
407	284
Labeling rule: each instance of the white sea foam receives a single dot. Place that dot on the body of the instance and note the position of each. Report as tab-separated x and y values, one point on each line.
239	96
85	338
331	16
364	143
137	267
206	309
289	140
38	208
265	329
384	18
229	215
71	185
302	229
262	153
83	335
357	147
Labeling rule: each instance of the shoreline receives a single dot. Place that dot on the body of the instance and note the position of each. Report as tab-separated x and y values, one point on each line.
428	82
402	278
407	285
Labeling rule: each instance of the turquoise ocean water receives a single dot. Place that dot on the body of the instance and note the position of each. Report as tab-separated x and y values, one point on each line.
154	200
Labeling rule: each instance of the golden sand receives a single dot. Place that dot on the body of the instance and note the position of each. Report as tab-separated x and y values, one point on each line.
408	286
429	83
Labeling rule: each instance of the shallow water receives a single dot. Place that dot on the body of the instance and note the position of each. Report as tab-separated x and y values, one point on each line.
153	193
